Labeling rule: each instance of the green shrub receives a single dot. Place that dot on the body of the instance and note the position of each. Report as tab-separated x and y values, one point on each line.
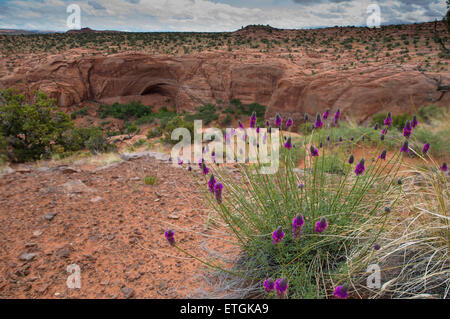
155	132
206	113
150	180
124	111
177	122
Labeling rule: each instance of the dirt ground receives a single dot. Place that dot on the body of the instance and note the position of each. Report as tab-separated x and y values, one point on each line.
108	222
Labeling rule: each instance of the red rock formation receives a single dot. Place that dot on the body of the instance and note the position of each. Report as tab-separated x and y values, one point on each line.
187	82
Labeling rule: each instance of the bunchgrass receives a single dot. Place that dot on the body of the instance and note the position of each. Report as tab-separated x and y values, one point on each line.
368	217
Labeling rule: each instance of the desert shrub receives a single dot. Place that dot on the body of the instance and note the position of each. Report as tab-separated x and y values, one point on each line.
124	111
82	112
177	122
206	113
226	120
398	121
248	109
438	140
427	113
35	131
155	132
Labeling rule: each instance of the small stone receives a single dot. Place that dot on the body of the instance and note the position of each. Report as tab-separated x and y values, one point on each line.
96	199
50	216
173	216
37	233
127	292
63	252
27	256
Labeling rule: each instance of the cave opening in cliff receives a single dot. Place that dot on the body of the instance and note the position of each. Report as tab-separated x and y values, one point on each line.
156	89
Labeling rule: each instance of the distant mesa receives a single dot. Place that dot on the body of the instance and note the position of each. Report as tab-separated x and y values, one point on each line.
89	30
256	29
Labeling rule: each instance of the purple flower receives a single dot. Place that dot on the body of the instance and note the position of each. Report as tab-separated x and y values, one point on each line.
257	129
407	129
337	116
341	292
425	148
169	234
319	122
189	168
288	143
360	168
383	155
326	114
384	131
375	127
253	120
321	225
218	192
405	147
382	137
289	122
297	225
281	285
180	161
444	167
376	247
267	123
277	235
241	125
211	183
414	122
306	117
205	169
269	284
351	159
314	151
388	120
278	120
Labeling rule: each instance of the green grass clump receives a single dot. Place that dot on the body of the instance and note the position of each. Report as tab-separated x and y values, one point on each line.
150	180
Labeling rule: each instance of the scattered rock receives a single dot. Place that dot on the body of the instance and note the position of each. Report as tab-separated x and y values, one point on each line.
37	233
96	199
50	216
173	216
77	187
63	252
27	256
127	292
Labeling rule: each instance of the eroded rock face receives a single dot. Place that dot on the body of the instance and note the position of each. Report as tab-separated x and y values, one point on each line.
188	82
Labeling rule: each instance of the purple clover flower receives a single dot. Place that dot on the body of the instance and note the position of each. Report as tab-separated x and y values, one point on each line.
337	116
278	120
314	151
351	159
326	114
376	247
319	122
306	117
425	148
388	120
269	285
281	285
385	131
170	236
241	125
340	292
297	226
360	168
218	192
383	155
405	147
321	225
205	169
444	167
289	122
211	183
288	143
414	121
375	127
253	120
407	129
277	235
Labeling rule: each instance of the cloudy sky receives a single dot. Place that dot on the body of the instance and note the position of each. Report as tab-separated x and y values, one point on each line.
210	15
